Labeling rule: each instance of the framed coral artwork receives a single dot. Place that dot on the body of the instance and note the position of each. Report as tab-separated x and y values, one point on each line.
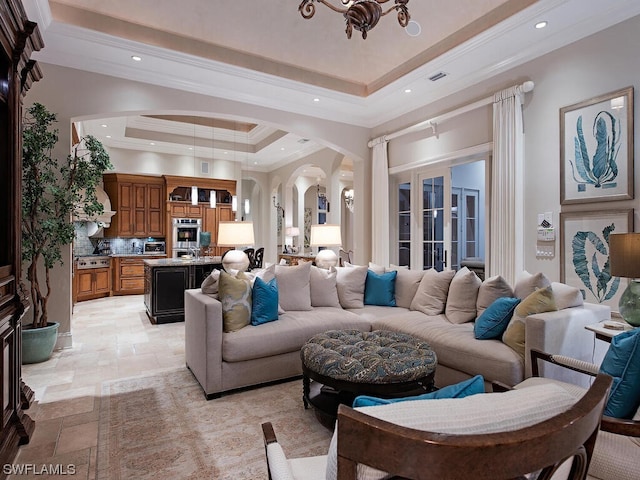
596	149
584	253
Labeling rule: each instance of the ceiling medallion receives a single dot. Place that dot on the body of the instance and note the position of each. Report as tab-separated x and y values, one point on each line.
362	15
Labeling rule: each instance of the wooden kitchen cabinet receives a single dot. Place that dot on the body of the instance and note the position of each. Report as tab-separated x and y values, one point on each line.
138	201
128	274
92	283
211	218
184	210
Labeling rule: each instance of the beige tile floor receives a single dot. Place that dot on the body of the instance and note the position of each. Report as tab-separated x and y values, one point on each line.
112	339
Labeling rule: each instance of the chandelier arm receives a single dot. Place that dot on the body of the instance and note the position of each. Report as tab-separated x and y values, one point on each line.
308	8
401	8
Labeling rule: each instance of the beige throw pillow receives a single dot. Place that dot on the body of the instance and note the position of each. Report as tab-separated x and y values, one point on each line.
407	283
350	282
210	284
294	290
527	283
235	296
324	287
490	290
566	296
431	296
540	301
462	297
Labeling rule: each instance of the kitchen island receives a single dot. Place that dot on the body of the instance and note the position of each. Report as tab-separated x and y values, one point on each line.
165	281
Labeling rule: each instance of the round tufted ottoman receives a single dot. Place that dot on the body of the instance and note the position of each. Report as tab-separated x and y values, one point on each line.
348	363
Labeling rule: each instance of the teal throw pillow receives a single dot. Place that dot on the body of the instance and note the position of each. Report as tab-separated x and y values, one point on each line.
494	320
264	307
622	362
380	289
463	389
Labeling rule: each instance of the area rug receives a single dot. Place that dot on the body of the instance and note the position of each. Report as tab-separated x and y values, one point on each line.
161	427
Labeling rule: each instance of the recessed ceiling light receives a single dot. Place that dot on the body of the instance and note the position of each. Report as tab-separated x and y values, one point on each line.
255	163
190	148
151	143
541	24
413	28
104	125
136	58
407	90
108	136
225	153
282	148
316	99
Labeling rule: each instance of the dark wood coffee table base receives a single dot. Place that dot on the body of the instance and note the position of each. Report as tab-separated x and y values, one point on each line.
325	394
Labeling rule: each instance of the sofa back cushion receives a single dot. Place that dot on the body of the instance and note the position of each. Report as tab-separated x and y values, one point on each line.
491	289
407	283
431	295
210	284
566	296
324	287
235	296
351	281
462	297
527	283
294	286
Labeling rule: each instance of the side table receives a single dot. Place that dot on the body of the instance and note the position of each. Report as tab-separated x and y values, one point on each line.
606	334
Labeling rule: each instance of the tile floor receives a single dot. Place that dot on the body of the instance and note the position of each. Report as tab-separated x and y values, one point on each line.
112	338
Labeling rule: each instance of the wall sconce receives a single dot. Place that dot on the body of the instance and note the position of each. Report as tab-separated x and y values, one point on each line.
348	199
212	199
278	207
194	195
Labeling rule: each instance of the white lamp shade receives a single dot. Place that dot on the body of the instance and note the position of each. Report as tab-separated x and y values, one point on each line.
292	231
233	234
325	235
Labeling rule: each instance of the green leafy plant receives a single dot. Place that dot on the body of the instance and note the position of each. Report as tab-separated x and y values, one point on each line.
584	267
52	192
602	169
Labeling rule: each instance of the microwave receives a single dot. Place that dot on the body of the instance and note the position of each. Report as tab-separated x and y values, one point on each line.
154	248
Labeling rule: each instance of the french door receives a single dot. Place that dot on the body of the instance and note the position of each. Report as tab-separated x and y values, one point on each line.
434	220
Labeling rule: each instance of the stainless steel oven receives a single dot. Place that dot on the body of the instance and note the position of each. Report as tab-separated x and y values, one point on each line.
186	233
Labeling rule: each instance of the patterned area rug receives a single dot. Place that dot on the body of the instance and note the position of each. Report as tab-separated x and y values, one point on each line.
161	427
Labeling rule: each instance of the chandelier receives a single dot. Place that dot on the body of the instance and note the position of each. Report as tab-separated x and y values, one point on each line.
362	15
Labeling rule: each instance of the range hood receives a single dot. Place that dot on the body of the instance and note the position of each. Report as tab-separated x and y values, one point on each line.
101	220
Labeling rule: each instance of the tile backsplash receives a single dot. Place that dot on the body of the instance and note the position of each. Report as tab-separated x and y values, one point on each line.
85	245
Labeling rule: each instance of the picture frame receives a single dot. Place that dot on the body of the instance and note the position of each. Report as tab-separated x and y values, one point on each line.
584	253
596	149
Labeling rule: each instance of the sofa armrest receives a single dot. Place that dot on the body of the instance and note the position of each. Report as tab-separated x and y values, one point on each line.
203	339
563	332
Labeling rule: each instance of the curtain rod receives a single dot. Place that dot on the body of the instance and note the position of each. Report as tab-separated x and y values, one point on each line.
432	122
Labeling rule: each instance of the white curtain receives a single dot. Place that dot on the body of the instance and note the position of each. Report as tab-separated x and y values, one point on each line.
380	203
507	186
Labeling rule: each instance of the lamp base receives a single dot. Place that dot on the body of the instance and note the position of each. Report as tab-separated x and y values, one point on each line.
629	304
236	260
326	259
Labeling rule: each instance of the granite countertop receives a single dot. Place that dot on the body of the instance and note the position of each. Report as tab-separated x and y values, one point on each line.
172	262
138	255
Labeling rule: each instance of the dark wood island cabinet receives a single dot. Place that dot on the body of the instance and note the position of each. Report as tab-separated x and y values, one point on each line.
165	281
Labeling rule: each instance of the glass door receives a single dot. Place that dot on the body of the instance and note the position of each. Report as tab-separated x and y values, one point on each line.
435	220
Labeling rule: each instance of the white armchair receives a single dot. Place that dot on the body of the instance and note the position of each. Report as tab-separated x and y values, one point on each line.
489	436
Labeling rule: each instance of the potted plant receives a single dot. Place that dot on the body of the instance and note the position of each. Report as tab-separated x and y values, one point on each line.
51	194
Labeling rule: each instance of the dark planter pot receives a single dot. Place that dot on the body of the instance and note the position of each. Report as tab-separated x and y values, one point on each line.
38	343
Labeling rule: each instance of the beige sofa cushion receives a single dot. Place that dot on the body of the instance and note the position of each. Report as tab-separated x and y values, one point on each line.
324	287
431	296
407	283
294	287
490	290
566	296
210	284
462	297
351	281
527	283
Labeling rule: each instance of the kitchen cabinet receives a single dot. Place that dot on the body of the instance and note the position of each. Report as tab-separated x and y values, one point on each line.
138	201
184	210
92	283
211	218
128	274
164	292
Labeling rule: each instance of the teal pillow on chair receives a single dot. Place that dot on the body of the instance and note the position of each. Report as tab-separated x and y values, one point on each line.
264	307
622	362
494	320
380	289
463	389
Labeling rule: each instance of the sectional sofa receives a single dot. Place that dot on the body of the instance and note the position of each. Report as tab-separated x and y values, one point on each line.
440	307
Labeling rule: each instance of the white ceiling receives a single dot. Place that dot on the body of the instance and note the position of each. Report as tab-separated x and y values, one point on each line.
265	53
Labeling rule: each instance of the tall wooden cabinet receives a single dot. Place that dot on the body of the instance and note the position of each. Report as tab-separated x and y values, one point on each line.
138	201
19	38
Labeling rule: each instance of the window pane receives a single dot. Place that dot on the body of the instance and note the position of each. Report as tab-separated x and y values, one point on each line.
471	206
404	227
471	229
404	197
427	219
438	262
471	249
439	225
427	255
404	254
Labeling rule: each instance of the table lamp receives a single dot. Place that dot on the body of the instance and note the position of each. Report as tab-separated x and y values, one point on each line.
326	235
235	234
292	232
624	261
